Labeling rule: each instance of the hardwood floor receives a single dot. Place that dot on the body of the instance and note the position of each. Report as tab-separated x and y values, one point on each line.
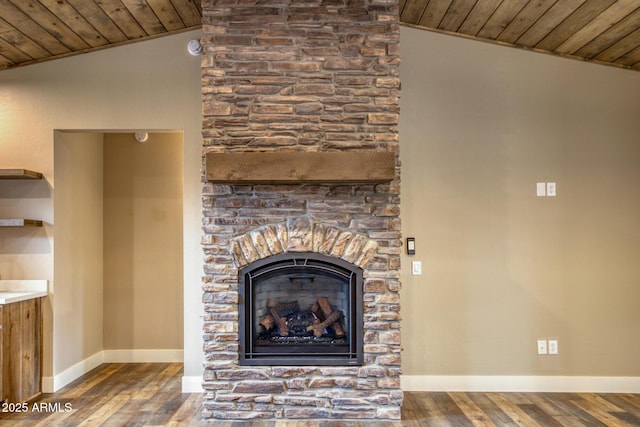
149	394
521	409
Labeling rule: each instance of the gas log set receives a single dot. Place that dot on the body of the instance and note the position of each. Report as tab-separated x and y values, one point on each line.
288	323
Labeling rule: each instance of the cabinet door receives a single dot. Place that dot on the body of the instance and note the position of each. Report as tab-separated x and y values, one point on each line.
1	358
11	346
30	377
21	344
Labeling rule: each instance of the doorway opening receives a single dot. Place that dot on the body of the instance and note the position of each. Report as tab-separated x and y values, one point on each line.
118	264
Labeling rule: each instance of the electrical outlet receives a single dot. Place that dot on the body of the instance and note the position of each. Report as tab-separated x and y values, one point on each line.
542	346
553	346
551	189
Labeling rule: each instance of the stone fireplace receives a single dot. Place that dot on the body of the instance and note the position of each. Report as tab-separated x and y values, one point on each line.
302	251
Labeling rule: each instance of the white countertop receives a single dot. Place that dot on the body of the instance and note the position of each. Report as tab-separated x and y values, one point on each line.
20	290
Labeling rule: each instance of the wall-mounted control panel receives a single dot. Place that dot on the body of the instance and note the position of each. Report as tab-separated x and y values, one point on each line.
411	245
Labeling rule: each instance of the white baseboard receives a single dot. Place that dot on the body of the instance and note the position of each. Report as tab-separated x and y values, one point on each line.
55	383
482	383
192	384
470	383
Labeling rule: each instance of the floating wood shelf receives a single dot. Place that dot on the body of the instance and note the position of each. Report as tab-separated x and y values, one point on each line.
300	167
19	174
20	222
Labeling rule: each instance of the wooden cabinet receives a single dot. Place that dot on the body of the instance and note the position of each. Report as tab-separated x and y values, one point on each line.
20	327
20	350
2	354
19	174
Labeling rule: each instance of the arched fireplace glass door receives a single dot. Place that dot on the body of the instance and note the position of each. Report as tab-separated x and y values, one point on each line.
300	309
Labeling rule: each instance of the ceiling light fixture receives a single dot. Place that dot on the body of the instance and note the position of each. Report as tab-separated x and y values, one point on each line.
142	136
194	47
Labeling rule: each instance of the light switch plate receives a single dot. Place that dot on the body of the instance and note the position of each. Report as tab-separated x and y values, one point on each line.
416	268
541	189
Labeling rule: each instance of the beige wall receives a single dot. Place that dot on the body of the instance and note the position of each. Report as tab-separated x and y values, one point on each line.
78	216
143	242
480	125
153	85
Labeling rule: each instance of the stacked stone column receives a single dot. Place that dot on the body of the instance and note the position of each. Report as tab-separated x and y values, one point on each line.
313	76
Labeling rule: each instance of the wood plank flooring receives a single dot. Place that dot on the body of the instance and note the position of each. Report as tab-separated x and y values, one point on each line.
149	394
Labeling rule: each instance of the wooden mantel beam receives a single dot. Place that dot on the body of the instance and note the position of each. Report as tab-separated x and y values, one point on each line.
300	167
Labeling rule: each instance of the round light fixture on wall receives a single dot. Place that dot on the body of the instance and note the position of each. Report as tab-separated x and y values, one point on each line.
194	47
142	136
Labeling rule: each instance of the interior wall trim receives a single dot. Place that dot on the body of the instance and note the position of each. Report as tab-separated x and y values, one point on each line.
56	382
192	384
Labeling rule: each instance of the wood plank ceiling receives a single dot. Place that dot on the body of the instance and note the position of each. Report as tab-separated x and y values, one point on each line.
33	31
603	31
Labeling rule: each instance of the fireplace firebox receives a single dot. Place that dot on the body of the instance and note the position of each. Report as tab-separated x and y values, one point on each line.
300	309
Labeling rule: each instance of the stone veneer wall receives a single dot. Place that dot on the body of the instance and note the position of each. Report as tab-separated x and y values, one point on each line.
314	76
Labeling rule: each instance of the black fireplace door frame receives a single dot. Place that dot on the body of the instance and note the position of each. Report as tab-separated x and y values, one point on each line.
348	354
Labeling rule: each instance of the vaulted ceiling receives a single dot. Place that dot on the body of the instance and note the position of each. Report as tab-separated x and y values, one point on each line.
603	31
38	30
